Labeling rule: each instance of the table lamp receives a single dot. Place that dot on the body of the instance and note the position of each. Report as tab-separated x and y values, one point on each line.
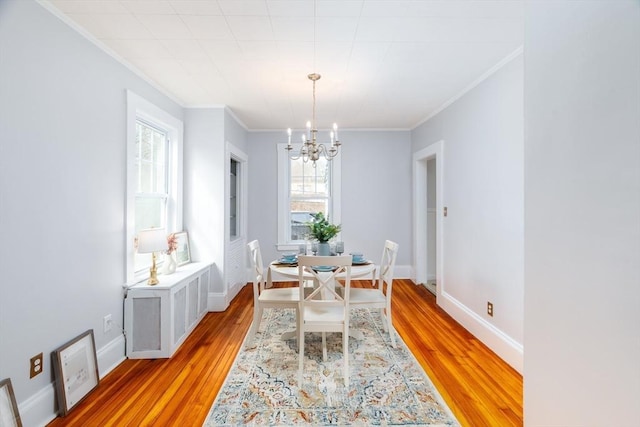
151	241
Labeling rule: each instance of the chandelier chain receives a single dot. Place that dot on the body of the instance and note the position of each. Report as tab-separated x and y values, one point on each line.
314	36
313	116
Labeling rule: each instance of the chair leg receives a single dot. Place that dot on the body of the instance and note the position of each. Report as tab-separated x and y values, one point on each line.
255	325
298	325
383	316
324	346
300	356
345	353
392	335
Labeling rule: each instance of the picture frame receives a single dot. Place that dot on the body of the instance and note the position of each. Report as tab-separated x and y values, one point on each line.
75	368
183	252
9	415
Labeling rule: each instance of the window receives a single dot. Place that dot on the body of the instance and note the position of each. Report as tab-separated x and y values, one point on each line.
304	190
234	201
152	180
236	192
154	177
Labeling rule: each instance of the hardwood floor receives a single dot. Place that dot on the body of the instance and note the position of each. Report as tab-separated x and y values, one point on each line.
480	388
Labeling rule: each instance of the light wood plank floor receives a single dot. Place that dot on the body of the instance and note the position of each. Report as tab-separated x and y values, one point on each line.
480	388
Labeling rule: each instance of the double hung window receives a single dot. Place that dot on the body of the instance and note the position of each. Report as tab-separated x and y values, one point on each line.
305	190
154	177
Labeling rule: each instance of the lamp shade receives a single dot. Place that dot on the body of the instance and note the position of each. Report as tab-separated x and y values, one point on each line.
152	240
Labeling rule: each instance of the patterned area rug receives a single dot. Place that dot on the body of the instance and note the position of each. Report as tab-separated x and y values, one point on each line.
387	386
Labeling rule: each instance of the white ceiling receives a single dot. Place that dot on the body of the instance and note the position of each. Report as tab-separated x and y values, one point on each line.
384	64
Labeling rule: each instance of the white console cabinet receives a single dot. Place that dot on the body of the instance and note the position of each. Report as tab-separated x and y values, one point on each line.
159	318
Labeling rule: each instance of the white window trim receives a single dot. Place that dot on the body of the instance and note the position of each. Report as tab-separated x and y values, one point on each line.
283	194
138	107
233	152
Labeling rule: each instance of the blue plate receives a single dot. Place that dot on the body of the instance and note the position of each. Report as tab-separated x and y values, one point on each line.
360	262
287	261
323	268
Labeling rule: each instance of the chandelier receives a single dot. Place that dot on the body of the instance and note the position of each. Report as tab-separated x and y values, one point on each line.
311	149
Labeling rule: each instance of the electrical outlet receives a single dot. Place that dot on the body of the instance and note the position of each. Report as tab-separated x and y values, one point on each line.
106	323
36	365
490	308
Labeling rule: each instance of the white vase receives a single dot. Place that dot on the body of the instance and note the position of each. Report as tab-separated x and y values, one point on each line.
169	264
324	249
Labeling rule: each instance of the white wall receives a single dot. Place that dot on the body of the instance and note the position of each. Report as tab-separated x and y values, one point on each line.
376	192
483	191
206	132
582	216
204	187
62	195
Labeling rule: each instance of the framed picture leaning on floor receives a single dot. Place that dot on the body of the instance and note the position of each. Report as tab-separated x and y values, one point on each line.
75	367
9	415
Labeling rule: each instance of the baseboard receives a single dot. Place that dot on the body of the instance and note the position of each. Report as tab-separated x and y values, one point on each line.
111	355
503	345
40	409
234	290
219	301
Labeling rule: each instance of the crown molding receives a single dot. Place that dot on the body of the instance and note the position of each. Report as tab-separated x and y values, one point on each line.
475	83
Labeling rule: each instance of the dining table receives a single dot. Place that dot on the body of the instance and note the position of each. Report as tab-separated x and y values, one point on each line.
290	270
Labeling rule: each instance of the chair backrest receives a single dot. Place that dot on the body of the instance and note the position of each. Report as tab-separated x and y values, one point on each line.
257	270
324	270
387	264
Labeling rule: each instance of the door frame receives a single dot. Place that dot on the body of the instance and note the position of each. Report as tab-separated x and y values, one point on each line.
234	153
420	247
235	260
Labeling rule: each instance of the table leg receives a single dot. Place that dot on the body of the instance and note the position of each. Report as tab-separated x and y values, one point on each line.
269	281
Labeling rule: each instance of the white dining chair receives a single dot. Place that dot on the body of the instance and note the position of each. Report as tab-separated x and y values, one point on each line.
380	295
267	298
324	310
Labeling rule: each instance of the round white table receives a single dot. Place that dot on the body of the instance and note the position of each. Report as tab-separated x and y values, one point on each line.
358	270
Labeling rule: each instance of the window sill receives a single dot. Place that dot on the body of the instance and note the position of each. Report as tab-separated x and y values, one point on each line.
288	246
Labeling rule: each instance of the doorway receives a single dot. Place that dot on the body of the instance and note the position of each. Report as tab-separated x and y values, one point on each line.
428	214
235	270
431	283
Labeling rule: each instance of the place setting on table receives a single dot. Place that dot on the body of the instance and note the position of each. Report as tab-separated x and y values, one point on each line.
287	264
289	259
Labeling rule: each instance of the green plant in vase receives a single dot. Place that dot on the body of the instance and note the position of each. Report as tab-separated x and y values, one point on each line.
322	230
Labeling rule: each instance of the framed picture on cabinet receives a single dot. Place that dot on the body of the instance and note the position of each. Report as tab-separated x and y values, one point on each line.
75	368
9	415
183	252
